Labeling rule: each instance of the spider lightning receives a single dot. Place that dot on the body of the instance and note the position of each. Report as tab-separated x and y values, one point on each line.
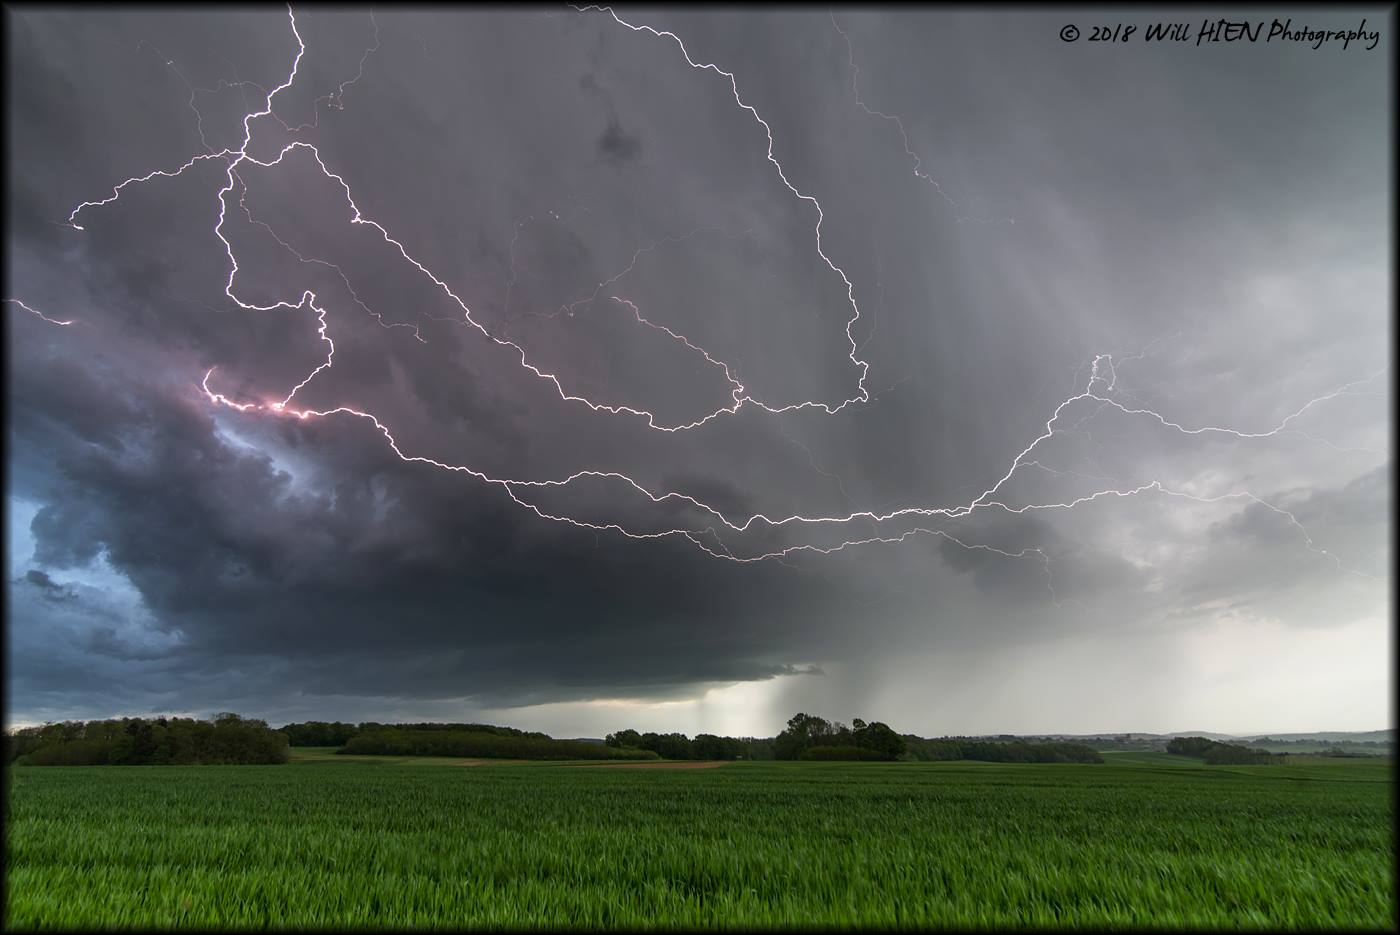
716	533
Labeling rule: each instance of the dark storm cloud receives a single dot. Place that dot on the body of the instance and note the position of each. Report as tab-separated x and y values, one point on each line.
46	586
180	555
375	574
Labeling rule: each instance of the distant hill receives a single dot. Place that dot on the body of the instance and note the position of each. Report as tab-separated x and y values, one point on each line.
1359	743
1335	736
1209	735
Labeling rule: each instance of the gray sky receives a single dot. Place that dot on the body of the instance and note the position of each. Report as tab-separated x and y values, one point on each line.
1022	385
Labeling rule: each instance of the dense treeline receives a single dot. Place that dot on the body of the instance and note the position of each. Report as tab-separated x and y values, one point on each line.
804	732
842	752
808	737
1226	754
1127	743
337	733
453	726
996	751
472	743
1189	746
225	739
681	747
1216	753
319	733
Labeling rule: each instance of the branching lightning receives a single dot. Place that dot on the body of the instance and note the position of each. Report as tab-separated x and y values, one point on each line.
717	534
863	395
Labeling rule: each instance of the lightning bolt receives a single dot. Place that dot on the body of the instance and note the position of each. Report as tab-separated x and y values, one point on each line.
336	98
710	534
863	394
35	311
354	296
903	134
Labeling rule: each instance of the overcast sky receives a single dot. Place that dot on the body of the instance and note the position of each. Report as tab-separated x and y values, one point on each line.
1022	385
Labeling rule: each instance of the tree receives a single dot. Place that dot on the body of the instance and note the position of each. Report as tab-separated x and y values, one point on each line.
624	738
879	737
669	746
711	747
143	741
803	731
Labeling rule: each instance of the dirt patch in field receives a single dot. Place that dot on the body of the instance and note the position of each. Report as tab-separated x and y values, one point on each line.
644	764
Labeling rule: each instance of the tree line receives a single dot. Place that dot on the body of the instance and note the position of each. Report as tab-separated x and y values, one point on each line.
681	747
1310	741
998	751
417	740
1321	747
228	738
1216	753
338	733
806	737
223	739
812	738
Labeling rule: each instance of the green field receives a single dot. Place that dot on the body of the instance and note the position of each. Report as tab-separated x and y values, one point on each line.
1144	840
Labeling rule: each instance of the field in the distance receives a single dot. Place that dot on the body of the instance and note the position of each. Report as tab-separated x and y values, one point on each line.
1143	840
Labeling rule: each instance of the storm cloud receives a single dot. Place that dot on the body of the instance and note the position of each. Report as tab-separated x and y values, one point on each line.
937	288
